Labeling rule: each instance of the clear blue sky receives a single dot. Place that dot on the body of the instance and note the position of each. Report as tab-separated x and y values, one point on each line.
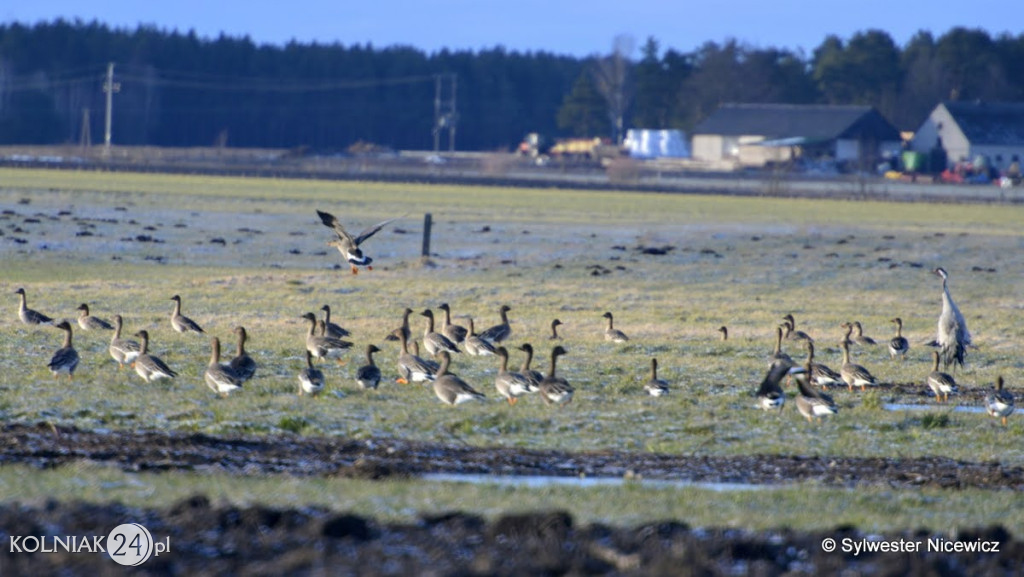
572	27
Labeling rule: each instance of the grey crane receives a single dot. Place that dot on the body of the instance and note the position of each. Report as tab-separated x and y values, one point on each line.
952	338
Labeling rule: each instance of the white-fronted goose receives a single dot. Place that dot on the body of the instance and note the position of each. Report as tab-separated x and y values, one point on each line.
30	316
854	375
454	333
611	333
554	389
393	336
791	333
332	329
725	332
433	341
180	323
368	375
124	351
348	245
499	332
150	367
242	364
940	383
412	368
812	403
952	337
311	379
65	360
220	378
999	403
535	376
511	385
89	322
777	355
475	345
860	338
450	388
898	345
822	375
654	386
323	347
554	330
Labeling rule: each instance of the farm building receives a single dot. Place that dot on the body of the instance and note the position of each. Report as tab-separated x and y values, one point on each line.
759	134
968	130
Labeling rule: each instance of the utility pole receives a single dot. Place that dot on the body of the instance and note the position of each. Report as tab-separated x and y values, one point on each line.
445	115
85	134
451	121
437	112
110	87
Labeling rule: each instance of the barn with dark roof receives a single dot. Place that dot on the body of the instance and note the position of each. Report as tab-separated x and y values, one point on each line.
967	130
757	134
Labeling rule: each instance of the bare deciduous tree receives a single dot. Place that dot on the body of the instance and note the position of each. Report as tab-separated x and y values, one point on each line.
612	76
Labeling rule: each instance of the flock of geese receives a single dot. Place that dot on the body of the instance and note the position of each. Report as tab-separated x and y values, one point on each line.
325	339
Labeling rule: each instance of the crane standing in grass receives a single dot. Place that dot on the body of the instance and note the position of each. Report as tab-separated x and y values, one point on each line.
952	338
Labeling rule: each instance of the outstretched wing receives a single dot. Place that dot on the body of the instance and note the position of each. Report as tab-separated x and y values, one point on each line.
331	221
373	230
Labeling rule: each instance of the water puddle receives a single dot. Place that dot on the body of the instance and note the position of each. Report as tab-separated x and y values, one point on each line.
955	409
543	481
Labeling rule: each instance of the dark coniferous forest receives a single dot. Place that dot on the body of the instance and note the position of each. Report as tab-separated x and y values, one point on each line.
177	89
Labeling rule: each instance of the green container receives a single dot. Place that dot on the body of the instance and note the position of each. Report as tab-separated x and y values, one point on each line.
913	161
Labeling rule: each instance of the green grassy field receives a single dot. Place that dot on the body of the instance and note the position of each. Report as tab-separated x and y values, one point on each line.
251	252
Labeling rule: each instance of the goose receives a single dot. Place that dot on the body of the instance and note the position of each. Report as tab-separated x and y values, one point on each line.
791	332
65	360
822	375
941	383
149	367
220	378
511	385
124	351
451	389
455	333
812	403
89	322
368	375
769	394
321	346
242	364
777	354
475	345
860	339
554	389
499	332
613	334
410	366
393	336
554	330
331	329
854	375
348	245
999	403
311	379
535	376
654	386
435	342
898	345
179	322
725	332
30	316
952	337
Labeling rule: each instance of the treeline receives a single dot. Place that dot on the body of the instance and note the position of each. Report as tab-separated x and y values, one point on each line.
177	89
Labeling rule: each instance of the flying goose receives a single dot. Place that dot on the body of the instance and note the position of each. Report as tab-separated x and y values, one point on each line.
611	333
179	322
30	316
999	403
65	360
220	378
121	350
554	389
940	383
348	245
450	388
368	375
475	345
499	332
554	330
455	333
321	346
242	364
511	385
654	386
410	366
952	337
149	367
89	322
898	345
535	376
311	379
331	329
854	375
769	394
435	342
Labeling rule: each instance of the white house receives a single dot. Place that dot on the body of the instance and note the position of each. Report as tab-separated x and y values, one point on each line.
967	130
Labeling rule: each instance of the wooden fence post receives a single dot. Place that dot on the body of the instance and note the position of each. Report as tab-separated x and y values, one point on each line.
425	253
